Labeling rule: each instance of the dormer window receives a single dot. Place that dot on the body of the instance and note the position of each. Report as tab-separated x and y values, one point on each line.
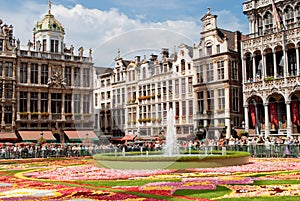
54	46
208	49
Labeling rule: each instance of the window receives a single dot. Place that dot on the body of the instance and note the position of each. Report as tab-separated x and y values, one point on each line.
8	90
183	90
218	49
268	21
210	100
8	68
235	99
68	75
8	114
182	64
44	102
77	103
44	74
176	87
220	70
68	101
221	99
44	45
191	106
234	70
77	77
210	72
190	87
86	77
54	46
1	67
200	74
1	45
289	15
33	102
208	49
183	108
200	101
260	25
23	101
23	73
56	103
96	99
34	74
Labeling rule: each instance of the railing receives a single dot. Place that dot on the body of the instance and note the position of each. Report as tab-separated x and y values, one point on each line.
74	150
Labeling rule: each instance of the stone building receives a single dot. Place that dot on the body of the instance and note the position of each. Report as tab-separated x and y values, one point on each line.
102	97
8	82
270	57
217	79
202	84
143	90
48	88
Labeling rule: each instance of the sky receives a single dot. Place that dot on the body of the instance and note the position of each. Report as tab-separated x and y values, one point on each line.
135	27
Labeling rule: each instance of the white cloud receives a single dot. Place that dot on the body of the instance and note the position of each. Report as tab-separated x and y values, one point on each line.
106	31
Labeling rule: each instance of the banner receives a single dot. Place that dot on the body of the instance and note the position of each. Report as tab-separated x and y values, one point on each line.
295	111
252	113
273	113
276	17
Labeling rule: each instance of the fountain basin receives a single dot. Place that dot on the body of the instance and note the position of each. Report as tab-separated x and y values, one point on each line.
134	160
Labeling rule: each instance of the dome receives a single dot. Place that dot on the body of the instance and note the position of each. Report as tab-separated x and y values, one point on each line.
48	23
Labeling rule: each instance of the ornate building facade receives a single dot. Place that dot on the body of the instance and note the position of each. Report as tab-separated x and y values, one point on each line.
49	88
217	79
270	57
144	90
202	84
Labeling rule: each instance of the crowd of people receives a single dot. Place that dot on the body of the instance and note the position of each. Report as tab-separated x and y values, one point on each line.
257	146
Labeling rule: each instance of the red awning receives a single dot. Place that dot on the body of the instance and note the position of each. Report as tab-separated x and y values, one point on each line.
35	135
81	135
8	136
128	137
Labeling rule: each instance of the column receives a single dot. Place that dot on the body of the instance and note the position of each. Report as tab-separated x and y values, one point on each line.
246	115
254	66
275	64
28	73
288	118
228	129
297	60
267	123
285	63
263	68
244	72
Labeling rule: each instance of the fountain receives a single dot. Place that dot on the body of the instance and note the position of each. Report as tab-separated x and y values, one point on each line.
171	146
170	158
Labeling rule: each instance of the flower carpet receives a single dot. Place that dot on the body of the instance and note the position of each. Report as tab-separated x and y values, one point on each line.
76	179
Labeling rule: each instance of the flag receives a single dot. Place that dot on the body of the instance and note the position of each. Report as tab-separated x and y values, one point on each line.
276	17
252	112
273	112
295	112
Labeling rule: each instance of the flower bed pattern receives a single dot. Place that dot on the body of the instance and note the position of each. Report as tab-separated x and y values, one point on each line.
63	180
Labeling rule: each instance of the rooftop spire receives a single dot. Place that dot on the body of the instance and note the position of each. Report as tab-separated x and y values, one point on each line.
49	7
208	10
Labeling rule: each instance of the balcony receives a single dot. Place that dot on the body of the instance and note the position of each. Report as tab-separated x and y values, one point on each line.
268	83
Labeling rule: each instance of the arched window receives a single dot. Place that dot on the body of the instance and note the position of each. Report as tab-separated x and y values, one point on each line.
297	11
182	64
289	15
208	49
260	25
268	18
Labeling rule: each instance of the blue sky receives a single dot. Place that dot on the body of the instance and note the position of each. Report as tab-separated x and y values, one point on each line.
133	26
